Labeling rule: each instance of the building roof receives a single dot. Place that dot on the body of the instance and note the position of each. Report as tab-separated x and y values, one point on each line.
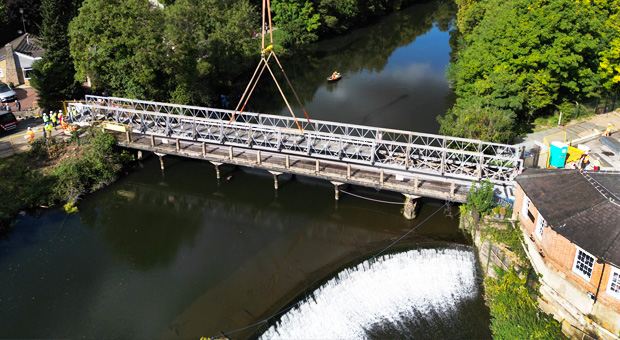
27	44
582	207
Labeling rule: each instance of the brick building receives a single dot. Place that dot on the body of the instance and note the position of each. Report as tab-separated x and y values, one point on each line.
571	224
16	59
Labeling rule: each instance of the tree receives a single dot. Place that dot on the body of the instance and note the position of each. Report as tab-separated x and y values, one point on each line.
54	75
120	46
526	57
610	58
298	19
210	42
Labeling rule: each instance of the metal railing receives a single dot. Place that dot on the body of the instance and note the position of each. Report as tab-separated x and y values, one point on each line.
388	148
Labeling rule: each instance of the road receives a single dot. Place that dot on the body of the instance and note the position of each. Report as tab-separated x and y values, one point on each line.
16	141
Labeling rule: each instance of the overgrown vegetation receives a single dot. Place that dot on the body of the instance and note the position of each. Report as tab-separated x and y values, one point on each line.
481	197
518	60
58	172
512	296
515	313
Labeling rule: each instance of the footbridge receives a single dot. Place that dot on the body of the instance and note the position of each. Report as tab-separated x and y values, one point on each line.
415	164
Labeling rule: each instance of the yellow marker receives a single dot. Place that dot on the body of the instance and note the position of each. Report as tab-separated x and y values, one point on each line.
268	48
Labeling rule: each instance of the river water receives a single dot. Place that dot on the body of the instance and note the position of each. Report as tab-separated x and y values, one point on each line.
180	255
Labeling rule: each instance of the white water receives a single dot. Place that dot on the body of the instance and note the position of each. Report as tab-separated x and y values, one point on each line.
388	291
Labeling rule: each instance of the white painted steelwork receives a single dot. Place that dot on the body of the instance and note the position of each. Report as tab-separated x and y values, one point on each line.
448	157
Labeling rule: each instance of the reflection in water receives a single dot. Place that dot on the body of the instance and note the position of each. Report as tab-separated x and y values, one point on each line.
393	73
183	257
419	294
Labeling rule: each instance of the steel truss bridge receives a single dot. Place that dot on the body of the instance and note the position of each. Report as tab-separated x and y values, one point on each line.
408	162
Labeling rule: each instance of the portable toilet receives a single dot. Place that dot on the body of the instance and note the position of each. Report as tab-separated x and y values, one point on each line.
557	154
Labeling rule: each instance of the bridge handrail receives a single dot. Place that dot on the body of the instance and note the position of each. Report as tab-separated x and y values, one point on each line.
436	156
386	133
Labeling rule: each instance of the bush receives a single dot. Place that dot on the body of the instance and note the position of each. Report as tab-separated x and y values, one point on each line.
481	197
514	311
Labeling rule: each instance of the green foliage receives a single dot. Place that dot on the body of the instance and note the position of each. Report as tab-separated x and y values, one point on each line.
70	208
512	238
120	46
470	118
523	58
25	185
610	58
53	75
514	311
298	18
22	186
97	165
481	197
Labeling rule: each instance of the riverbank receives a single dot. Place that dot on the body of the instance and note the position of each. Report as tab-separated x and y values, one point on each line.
510	283
57	171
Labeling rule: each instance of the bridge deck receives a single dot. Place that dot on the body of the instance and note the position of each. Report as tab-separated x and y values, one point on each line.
409	162
421	185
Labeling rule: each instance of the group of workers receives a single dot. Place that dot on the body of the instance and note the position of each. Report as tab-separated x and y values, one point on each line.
51	121
335	75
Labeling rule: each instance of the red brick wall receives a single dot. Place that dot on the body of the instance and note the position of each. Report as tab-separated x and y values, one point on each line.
560	254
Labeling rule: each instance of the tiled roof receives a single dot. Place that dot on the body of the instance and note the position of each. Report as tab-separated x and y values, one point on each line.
30	46
584	208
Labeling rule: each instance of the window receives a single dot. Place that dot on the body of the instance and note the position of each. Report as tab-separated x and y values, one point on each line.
1	73
583	265
526	205
26	72
540	226
613	288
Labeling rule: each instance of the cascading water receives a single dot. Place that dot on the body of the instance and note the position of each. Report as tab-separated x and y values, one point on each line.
417	294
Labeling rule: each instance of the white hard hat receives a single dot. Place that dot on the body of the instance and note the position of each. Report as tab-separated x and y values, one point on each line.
29	128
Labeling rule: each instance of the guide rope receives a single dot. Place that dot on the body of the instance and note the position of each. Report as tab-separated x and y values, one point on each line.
371	199
306	297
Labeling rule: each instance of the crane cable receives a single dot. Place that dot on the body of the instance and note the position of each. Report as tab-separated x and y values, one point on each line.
265	63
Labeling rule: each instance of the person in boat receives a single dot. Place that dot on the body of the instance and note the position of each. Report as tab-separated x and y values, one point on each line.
335	75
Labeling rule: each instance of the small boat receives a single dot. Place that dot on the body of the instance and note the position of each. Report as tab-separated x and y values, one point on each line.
332	79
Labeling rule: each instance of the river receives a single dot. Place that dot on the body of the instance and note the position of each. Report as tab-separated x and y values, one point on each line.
177	254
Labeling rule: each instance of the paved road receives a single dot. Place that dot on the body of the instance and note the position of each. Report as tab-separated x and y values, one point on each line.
17	141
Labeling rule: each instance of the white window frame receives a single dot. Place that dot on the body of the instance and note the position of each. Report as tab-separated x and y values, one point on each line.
526	205
25	71
575	261
540	226
614	271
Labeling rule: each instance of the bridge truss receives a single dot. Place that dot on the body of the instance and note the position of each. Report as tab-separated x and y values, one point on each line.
417	153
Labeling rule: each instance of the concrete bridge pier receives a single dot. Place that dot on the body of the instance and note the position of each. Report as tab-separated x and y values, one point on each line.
161	161
337	189
217	169
140	156
275	178
411	205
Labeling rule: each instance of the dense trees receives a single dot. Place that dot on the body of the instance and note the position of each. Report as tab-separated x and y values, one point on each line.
189	51
519	59
53	76
120	46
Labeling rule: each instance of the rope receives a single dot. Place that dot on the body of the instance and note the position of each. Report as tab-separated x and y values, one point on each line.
371	199
303	300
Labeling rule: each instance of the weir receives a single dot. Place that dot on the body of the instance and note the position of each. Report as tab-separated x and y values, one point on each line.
415	164
418	292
